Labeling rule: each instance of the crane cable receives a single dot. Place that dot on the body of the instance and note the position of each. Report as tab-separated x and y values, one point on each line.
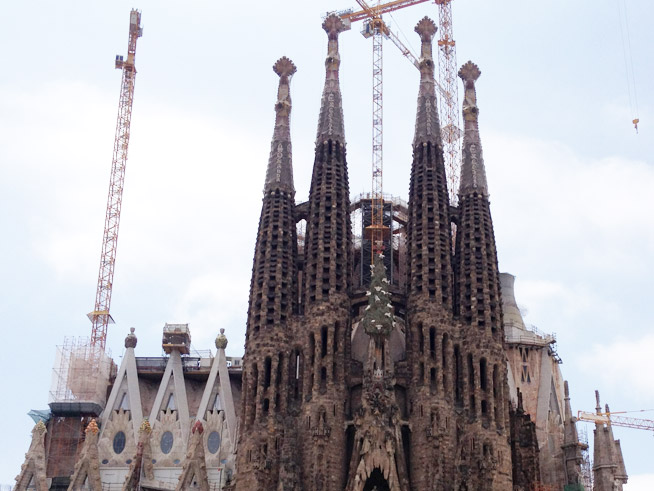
623	21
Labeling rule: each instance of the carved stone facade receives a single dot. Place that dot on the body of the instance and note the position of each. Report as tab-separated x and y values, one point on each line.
186	441
406	384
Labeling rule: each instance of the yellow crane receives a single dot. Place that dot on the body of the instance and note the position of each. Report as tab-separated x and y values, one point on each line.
609	418
100	317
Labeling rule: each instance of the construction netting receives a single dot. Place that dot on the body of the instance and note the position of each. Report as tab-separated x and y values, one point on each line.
81	372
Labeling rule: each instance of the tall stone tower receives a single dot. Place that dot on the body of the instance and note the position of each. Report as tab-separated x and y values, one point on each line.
324	329
399	385
269	367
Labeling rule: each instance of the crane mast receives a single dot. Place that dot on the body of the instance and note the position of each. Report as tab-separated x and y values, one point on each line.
449	100
100	316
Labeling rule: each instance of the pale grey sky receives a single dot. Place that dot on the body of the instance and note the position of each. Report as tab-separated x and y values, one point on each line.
570	179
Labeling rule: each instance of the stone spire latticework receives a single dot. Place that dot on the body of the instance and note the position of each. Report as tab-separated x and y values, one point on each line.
429	232
328	233
273	301
273	288
323	335
476	271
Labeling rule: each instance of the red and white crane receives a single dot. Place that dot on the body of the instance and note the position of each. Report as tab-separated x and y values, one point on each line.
100	316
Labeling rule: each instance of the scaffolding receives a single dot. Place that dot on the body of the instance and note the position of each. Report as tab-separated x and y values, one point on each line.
80	377
586	463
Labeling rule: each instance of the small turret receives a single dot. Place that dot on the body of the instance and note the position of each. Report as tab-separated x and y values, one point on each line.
476	272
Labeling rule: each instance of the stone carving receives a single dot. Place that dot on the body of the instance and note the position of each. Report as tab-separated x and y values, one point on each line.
221	340
32	472
194	470
87	468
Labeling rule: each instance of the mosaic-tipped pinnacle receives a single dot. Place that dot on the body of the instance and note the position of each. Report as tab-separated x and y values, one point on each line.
426	28
284	67
469	72
333	25
92	428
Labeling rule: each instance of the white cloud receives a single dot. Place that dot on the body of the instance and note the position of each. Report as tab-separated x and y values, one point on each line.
640	482
623	366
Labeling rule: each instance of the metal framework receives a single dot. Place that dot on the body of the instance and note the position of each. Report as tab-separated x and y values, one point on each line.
447	86
100	317
449	101
611	419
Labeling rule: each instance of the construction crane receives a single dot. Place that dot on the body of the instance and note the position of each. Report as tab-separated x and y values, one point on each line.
609	418
376	28
100	316
449	100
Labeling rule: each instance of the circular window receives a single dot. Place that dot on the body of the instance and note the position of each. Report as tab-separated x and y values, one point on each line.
213	442
119	442
166	443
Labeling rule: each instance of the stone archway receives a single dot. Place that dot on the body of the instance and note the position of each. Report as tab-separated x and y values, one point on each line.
376	481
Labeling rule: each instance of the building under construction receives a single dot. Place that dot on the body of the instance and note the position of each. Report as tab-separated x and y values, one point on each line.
391	362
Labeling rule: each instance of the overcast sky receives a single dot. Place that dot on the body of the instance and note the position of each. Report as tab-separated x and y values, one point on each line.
570	179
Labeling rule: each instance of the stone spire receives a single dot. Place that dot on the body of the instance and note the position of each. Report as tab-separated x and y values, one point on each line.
473	173
275	251
328	230
330	122
476	271
571	446
427	125
273	301
322	337
429	232
430	327
608	464
280	167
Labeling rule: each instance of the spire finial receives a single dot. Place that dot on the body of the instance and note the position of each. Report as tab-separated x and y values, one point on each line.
284	67
427	125
469	73
280	168
130	340
221	340
473	172
330	123
333	26
426	28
